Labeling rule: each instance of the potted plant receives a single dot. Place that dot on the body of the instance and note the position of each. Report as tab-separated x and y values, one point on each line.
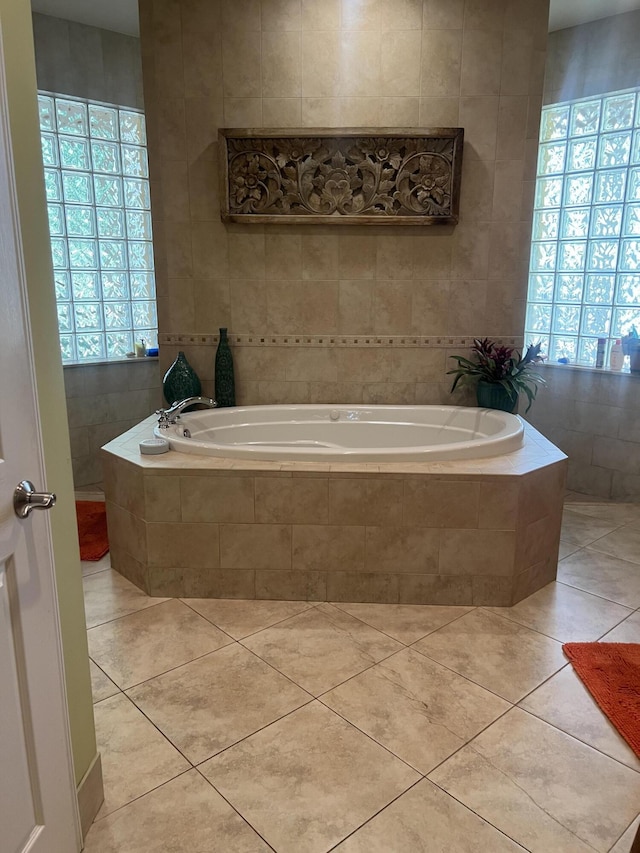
500	374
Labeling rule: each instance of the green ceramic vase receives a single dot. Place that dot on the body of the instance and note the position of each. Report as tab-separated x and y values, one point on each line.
491	395
180	381
225	386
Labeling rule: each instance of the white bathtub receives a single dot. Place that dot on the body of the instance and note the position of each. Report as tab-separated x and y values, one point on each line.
325	433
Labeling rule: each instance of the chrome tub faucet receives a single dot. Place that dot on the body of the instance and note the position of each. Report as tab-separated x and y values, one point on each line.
170	416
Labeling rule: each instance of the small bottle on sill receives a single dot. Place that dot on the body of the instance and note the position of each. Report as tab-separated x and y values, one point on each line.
616	356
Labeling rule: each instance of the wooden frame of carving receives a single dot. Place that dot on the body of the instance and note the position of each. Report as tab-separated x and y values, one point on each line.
341	176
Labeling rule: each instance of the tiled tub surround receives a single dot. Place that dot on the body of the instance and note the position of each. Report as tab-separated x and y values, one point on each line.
476	532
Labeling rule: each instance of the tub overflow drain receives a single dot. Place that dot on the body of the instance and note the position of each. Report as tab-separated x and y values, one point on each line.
335	415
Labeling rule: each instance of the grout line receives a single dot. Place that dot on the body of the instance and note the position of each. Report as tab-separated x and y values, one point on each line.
576	737
140	796
370	737
258	630
511	618
115	618
312	699
231	805
473	681
174	668
375	814
595	594
622	833
470	741
486	820
468	609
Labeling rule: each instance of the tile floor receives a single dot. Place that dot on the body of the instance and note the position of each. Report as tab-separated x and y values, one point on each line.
295	727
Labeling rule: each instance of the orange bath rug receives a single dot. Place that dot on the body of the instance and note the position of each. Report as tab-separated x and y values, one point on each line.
92	529
611	672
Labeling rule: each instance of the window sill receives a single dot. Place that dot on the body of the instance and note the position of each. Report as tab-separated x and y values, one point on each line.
104	361
582	368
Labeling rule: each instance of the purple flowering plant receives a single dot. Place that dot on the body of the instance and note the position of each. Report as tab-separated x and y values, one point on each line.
506	366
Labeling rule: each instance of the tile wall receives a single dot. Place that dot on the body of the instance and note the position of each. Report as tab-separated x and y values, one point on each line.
75	59
593	417
477	64
103	401
594	58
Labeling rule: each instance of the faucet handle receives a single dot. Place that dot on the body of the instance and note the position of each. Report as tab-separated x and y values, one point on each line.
164	421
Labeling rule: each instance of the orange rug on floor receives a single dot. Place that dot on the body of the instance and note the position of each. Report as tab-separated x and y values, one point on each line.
92	529
611	672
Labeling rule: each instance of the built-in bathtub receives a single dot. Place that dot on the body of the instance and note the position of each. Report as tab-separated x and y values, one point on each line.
324	433
405	523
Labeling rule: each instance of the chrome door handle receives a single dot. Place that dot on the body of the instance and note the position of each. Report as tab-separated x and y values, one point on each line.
25	498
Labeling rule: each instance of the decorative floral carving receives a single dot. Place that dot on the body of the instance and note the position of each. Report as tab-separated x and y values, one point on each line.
378	178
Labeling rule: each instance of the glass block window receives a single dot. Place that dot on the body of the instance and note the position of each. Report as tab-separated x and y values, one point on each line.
584	276
97	185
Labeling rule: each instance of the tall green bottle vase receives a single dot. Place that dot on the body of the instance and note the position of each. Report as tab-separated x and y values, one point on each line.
225	385
180	381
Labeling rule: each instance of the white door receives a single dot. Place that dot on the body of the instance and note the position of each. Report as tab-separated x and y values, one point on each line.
38	811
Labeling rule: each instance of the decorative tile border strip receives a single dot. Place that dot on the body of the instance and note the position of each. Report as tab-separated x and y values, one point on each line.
342	176
391	341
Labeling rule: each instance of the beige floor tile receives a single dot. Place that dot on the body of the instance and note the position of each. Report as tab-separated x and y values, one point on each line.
404	622
609	513
211	703
566	614
90	567
427	820
609	577
566	703
625	842
183	816
308	780
107	595
626	632
419	710
135	757
579	529
566	548
239	618
321	648
144	644
496	653
623	542
543	788
101	685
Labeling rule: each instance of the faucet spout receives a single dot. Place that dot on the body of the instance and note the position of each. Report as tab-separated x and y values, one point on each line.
170	416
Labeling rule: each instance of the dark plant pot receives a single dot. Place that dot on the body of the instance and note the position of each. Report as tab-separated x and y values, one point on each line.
634	358
493	396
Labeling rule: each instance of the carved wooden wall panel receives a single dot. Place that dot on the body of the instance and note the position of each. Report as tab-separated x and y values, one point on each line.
341	176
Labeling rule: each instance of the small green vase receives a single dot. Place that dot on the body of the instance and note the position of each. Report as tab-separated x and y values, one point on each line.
225	385
491	395
180	381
